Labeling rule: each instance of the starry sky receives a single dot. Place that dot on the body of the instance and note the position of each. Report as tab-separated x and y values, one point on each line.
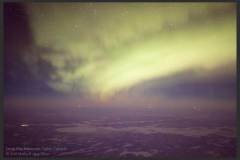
120	54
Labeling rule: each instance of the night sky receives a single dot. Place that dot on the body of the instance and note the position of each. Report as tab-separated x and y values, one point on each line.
126	54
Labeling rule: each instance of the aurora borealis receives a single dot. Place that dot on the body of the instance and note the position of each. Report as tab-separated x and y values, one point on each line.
111	47
120	80
127	51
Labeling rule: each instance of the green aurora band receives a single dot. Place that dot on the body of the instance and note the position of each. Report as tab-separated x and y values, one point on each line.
105	48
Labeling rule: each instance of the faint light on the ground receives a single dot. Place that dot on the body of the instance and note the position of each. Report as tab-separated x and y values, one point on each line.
24	125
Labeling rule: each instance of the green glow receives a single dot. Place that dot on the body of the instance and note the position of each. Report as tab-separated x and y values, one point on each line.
111	47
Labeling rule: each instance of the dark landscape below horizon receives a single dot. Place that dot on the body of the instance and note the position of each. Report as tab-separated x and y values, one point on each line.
112	133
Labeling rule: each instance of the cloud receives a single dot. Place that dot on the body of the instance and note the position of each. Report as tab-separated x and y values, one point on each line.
218	83
106	48
149	130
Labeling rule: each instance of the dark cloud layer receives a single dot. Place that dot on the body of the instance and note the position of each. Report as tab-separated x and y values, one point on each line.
18	78
219	84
